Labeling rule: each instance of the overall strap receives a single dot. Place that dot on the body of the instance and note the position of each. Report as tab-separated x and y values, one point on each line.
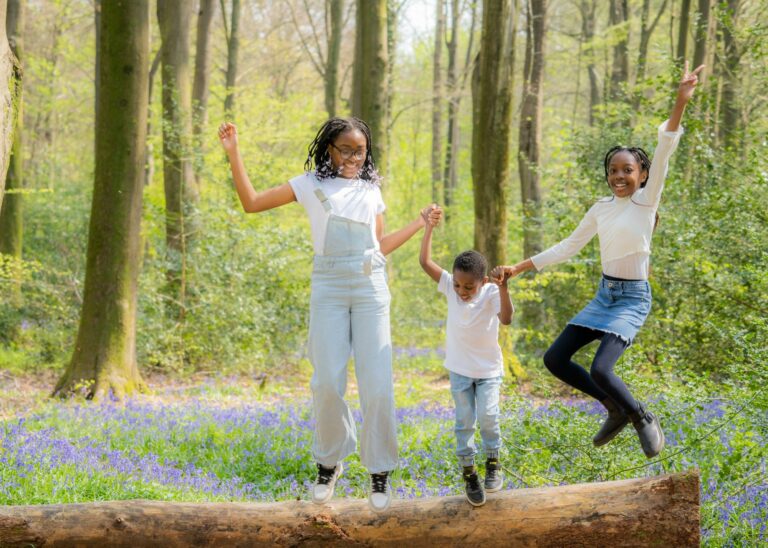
323	198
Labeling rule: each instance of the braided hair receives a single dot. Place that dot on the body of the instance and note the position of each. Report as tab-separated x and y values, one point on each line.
319	158
640	156
638	153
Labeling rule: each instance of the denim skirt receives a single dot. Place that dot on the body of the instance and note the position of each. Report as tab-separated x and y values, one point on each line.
619	307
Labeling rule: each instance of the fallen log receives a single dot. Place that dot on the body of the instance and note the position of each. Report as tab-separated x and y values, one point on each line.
655	511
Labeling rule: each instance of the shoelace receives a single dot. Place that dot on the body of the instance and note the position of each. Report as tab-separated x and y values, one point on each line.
379	482
473	480
325	475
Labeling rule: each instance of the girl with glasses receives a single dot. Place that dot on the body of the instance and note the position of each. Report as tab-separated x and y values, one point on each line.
350	300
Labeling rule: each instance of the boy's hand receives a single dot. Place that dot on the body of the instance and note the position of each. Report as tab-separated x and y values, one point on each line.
688	82
432	215
499	275
228	136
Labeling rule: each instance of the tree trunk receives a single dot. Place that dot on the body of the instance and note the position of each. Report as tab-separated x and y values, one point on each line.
658	511
334	11
492	94
619	16
587	9
97	60
104	357
730	129
149	170
181	194
200	84
437	101
456	88
682	33
369	74
233	47
646	31
701	35
530	127
11	225
8	108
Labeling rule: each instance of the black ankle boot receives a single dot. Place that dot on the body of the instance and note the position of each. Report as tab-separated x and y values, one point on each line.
472	486
615	422
649	431
494	479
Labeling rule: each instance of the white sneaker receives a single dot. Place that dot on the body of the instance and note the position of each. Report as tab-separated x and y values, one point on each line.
381	492
322	490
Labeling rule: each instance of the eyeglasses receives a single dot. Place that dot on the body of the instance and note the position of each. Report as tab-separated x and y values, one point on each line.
347	153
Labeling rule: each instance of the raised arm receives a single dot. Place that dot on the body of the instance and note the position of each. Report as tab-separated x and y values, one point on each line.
669	136
252	201
429	266
685	91
388	243
500	276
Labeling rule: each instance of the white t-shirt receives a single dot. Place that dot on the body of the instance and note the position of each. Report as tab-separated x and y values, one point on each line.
354	199
472	335
624	226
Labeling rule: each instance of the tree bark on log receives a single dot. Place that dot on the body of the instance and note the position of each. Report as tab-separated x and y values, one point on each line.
658	511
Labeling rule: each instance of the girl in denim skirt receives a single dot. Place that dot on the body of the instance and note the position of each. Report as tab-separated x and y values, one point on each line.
624	224
349	306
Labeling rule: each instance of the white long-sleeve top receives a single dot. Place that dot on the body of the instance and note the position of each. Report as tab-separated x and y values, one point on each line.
624	226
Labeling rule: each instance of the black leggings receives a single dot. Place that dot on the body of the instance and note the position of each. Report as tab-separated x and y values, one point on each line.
601	382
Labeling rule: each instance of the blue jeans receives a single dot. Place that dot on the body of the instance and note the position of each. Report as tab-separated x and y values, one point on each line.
476	400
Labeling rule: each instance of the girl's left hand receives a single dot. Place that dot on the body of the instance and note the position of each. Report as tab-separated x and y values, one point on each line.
688	82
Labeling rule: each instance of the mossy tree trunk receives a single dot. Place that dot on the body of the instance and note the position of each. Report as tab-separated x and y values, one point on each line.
7	99
619	68
334	13
491	120
437	102
11	224
455	85
370	88
233	48
529	145
104	358
181	193
200	86
530	127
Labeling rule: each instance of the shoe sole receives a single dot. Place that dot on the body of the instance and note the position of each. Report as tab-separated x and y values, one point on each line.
476	503
379	510
332	490
610	437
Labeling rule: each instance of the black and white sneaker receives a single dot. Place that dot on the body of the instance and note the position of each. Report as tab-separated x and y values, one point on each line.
472	487
381	492
322	490
493	476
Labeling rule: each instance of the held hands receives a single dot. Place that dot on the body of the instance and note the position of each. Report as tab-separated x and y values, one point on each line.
228	136
688	83
431	215
500	274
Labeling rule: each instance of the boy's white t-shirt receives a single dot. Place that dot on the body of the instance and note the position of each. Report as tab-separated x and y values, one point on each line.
354	199
472	334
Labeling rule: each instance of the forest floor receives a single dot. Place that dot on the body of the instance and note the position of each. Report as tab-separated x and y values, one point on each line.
24	392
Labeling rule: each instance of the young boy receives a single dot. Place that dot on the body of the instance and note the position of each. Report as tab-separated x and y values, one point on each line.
473	358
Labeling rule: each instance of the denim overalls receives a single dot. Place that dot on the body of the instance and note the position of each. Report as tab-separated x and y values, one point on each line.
349	315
